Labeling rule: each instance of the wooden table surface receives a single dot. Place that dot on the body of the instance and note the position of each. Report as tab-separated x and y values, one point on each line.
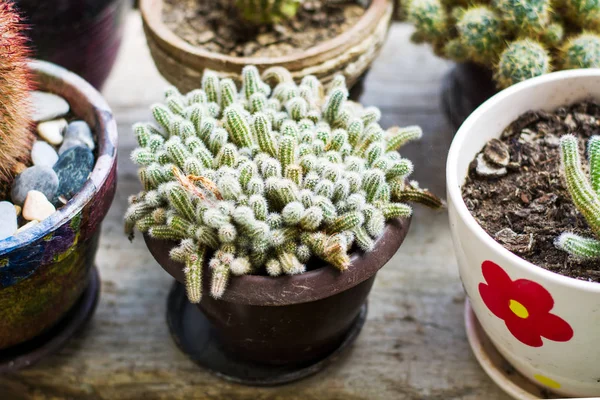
413	345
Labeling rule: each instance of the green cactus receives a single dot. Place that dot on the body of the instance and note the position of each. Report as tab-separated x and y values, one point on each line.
582	51
522	59
267	11
480	33
584	13
254	191
584	194
515	39
524	16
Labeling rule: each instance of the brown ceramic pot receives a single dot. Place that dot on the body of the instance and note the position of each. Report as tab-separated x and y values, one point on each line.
45	269
293	319
350	53
465	88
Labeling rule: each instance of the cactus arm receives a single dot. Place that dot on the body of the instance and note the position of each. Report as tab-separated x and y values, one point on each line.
579	247
594	160
583	195
193	275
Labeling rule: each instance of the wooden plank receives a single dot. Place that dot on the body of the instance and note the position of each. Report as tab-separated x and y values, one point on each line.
413	345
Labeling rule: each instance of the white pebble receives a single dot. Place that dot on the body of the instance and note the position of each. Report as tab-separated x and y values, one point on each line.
52	131
8	219
43	154
47	106
37	207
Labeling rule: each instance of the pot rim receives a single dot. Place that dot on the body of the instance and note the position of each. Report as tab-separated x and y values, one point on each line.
313	285
151	11
106	156
453	186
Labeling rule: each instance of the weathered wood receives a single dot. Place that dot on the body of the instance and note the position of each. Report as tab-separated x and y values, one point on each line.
413	345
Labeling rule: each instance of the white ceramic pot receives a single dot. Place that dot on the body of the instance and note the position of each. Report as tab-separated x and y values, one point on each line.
545	324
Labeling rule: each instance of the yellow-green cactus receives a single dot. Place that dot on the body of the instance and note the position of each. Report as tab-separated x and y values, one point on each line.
267	11
522	59
582	51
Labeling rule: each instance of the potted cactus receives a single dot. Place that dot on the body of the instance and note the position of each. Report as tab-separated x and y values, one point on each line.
524	223
275	206
504	42
319	37
48	283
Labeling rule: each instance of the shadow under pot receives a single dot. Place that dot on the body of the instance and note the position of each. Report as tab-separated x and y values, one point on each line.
46	269
350	53
83	36
465	87
291	322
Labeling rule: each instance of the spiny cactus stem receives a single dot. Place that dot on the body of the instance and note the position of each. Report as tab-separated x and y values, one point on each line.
579	247
584	197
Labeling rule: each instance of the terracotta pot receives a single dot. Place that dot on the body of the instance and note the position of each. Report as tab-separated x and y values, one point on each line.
81	35
294	319
350	53
530	304
45	269
466	86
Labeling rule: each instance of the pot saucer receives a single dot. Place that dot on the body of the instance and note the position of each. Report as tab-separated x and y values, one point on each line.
195	336
28	353
496	366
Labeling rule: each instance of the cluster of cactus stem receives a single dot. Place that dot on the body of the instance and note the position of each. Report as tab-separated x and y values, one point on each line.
15	83
267	11
585	194
517	39
267	177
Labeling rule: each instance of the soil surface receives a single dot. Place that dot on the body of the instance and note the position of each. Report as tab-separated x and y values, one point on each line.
515	188
216	26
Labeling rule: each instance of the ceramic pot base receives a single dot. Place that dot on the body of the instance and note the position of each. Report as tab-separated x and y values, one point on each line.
496	366
29	353
195	336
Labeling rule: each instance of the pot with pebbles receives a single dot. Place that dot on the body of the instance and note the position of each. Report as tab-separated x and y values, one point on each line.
60	142
497	44
271	207
317	37
524	220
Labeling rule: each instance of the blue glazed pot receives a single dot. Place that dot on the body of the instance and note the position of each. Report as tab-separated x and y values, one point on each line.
45	269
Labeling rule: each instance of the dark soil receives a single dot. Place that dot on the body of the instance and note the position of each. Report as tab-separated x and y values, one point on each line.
216	26
528	207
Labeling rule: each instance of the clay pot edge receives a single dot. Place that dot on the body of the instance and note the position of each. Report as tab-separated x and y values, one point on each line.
151	11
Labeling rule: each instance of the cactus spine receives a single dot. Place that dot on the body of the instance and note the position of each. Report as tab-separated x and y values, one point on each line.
246	180
15	83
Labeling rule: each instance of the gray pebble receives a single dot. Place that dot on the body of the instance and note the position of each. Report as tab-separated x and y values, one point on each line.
8	220
38	177
43	154
73	169
80	130
47	106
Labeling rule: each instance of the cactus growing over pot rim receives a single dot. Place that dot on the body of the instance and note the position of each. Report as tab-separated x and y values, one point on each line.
265	178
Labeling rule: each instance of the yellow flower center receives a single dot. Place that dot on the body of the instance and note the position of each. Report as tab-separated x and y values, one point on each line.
519	309
544	380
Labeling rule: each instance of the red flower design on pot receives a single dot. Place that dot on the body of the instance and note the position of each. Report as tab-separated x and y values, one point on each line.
524	306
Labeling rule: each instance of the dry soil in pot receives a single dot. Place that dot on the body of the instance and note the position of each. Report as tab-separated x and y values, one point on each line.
516	191
216	26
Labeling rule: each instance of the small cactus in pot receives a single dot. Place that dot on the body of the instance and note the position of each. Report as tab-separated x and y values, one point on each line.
267	12
16	137
263	179
516	39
